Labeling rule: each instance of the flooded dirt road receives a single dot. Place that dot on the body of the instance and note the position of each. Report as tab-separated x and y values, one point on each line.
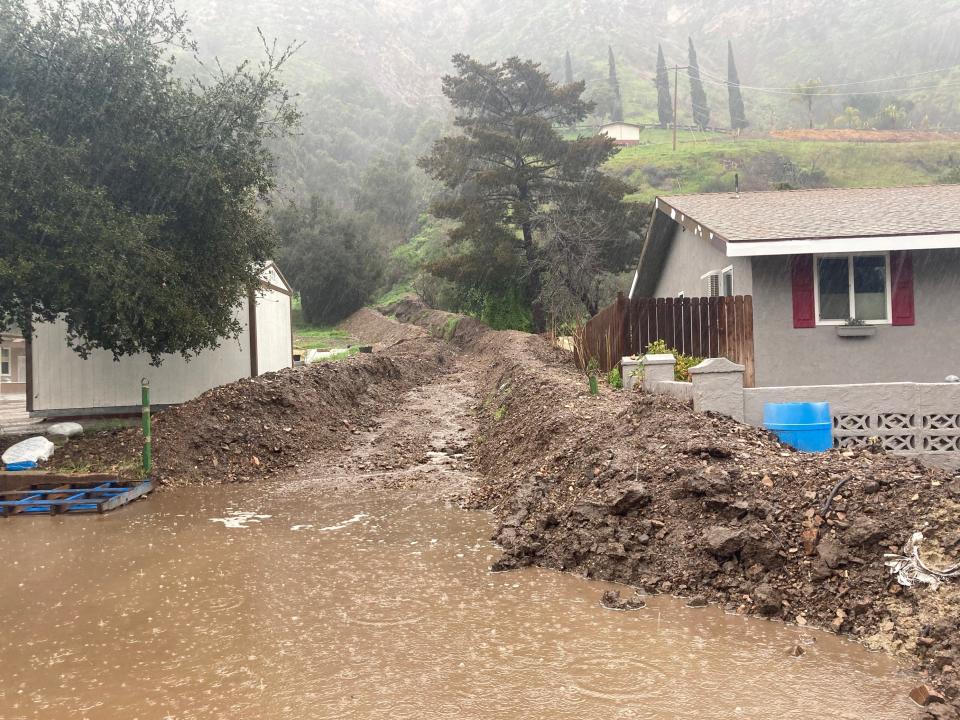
358	589
296	601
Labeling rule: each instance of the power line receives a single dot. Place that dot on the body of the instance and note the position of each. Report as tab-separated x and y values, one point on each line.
800	93
718	78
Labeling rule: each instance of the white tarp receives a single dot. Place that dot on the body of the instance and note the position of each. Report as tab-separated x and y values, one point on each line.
31	450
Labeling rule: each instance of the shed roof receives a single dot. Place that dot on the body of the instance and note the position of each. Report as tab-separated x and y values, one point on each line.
824	213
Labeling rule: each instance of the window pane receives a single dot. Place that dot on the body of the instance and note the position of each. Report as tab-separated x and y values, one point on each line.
870	287
728	283
834	283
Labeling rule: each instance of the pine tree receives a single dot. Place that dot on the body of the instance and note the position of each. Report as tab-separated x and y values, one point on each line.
738	117
511	177
616	106
664	101
698	96
567	69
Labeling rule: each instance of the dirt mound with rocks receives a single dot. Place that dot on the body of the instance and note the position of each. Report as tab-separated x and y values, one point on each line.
639	489
370	327
256	428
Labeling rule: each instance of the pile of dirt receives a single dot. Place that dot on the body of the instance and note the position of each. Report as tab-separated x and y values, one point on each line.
461	330
877	136
370	327
256	428
639	489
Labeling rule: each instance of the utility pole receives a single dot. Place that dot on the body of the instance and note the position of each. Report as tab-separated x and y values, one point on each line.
676	88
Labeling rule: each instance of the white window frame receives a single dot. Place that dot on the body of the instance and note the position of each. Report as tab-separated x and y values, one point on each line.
712	274
850	288
6	357
728	270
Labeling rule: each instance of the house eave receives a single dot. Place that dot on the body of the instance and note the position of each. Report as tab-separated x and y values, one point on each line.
809	246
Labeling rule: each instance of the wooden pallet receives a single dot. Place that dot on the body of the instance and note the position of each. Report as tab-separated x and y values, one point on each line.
54	495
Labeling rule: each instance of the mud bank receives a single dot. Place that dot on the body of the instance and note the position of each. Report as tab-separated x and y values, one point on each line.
267	426
639	489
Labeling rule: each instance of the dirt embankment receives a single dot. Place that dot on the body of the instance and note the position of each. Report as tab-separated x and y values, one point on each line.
639	489
866	136
259	428
369	326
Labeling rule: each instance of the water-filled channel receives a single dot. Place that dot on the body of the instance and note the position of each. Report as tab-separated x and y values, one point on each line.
296	602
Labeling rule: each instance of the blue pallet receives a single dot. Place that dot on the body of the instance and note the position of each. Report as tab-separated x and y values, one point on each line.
55	498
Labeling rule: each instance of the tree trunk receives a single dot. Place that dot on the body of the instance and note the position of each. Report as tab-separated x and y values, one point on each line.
534	284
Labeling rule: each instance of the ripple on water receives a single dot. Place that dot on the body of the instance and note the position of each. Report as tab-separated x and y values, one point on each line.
374	612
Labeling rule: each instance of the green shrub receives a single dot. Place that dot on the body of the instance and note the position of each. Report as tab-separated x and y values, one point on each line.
614	379
506	311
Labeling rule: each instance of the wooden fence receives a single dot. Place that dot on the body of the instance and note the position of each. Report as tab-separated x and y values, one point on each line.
701	327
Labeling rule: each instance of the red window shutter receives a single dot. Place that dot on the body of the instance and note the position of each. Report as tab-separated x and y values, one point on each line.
804	306
901	286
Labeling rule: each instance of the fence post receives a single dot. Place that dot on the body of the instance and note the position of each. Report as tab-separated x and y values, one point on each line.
147	441
623	309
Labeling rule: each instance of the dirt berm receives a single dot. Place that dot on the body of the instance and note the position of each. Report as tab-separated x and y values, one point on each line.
257	428
640	489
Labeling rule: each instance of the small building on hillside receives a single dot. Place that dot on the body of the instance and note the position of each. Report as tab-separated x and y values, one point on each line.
59	383
13	363
623	133
848	286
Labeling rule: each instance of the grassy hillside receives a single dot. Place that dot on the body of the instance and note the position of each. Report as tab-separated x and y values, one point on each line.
705	162
368	75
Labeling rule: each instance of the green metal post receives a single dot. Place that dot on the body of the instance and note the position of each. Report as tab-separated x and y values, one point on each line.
147	445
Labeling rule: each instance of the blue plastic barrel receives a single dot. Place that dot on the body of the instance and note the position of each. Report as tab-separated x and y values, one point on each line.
804	426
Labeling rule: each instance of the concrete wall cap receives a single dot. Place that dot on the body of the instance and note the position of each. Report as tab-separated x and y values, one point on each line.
716	365
662	359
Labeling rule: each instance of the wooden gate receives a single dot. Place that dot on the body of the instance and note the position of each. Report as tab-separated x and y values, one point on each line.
701	326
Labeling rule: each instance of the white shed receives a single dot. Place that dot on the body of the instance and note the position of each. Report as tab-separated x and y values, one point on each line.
62	384
623	133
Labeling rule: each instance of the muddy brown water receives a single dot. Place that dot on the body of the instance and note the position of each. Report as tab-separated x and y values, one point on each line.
377	605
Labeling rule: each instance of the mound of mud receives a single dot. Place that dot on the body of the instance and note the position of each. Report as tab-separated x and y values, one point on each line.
461	330
640	489
255	428
370	327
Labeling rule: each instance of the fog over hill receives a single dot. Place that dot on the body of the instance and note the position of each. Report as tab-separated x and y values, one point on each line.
369	70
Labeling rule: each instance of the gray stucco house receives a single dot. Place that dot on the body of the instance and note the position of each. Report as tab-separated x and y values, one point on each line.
813	260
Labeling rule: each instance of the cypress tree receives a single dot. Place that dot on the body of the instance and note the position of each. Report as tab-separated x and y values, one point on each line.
738	118
616	107
567	69
664	101
698	96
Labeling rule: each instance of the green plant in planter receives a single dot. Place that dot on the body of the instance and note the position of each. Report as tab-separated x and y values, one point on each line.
855	322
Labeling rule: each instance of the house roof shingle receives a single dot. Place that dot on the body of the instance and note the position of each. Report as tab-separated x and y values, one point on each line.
826	213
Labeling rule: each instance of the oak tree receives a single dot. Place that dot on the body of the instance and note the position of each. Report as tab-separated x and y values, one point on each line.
129	195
